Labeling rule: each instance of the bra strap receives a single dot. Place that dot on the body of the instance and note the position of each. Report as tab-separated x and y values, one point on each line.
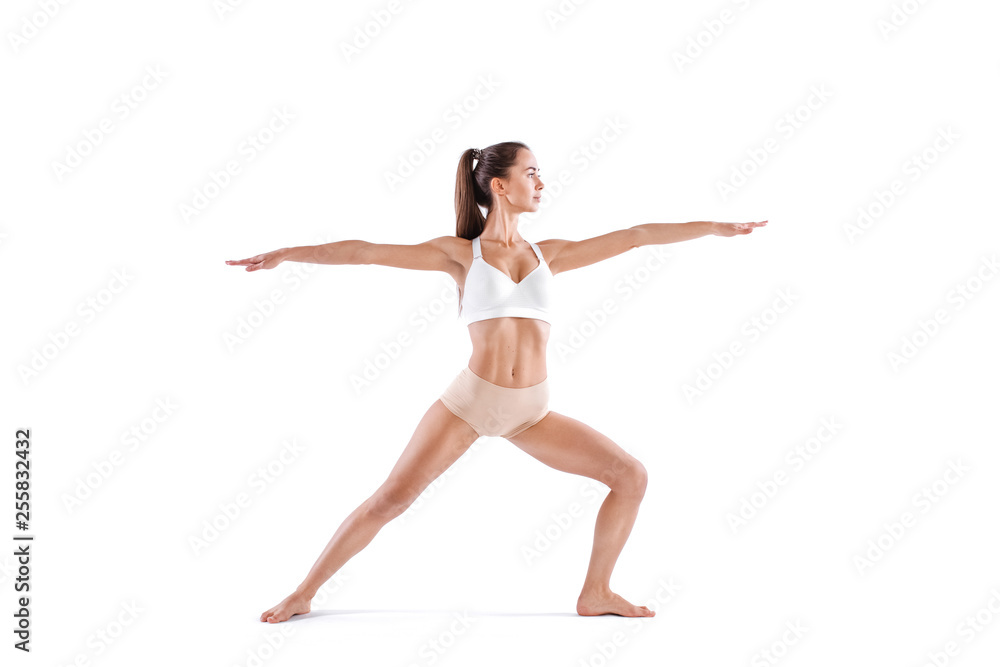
538	251
476	249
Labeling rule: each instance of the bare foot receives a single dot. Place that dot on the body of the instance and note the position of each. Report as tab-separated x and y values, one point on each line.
595	604
295	603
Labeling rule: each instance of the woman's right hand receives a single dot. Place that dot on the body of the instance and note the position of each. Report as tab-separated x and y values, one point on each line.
268	260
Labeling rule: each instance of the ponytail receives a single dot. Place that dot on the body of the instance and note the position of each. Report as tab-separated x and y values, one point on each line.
472	184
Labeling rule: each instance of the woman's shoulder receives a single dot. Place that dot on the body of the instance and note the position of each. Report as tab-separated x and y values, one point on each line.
458	249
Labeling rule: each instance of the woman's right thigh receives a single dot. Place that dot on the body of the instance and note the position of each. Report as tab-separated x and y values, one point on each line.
437	442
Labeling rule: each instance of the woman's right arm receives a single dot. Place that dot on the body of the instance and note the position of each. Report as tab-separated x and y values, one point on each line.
434	255
338	252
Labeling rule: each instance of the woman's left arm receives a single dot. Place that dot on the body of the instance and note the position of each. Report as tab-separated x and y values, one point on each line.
563	255
655	233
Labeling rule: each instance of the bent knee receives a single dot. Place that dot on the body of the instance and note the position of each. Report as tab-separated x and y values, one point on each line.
631	479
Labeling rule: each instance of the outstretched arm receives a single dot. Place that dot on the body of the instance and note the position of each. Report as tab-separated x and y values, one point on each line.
566	255
655	233
338	252
433	255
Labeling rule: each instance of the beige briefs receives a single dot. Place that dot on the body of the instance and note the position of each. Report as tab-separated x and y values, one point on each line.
493	410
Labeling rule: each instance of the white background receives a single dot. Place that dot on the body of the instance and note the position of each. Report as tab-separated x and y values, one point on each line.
601	95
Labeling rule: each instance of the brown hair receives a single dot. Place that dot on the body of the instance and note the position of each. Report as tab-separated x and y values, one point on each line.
472	185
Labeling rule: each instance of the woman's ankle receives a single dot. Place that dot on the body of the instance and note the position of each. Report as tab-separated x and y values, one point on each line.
304	592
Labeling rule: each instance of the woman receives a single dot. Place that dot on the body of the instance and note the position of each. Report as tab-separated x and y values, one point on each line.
504	299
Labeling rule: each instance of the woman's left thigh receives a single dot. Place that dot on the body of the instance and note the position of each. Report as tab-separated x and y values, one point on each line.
569	445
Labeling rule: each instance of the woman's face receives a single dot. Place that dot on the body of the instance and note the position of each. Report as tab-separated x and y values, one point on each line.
524	185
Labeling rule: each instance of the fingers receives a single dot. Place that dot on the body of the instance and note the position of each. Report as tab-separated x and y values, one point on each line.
252	263
747	227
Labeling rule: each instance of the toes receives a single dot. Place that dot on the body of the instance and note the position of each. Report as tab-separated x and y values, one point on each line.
268	615
644	611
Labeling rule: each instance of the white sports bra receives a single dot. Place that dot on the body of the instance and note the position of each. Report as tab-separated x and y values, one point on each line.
490	293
